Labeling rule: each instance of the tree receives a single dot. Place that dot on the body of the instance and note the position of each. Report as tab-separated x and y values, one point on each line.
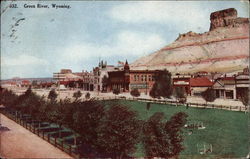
77	95
116	91
135	92
180	94
209	95
87	119
52	95
163	139
244	97
118	132
174	128
34	84
105	82
87	95
162	86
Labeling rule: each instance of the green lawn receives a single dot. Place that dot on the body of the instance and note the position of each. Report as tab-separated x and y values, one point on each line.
227	131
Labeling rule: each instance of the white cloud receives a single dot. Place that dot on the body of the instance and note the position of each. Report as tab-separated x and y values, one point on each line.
23	60
186	15
127	43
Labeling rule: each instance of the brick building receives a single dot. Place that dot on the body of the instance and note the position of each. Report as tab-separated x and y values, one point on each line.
126	80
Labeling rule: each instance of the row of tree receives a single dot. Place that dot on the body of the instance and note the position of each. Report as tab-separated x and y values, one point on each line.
106	131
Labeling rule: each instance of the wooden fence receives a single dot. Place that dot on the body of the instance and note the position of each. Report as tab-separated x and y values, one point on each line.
57	142
175	103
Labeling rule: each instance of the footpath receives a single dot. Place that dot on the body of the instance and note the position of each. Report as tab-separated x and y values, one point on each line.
17	142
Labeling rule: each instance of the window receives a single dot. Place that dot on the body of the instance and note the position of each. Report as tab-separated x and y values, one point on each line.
141	77
145	77
135	77
153	78
149	77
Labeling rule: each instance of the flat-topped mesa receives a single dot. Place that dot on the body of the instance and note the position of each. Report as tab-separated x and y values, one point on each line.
226	18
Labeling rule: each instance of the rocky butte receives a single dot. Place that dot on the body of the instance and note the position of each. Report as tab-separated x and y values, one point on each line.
225	48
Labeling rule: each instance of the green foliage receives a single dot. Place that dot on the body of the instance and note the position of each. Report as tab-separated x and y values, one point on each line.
162	86
34	84
86	119
52	95
173	128
7	97
77	95
179	92
244	97
116	91
135	92
118	132
209	95
87	95
163	139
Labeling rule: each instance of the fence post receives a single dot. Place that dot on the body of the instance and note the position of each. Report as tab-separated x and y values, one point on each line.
70	149
62	146
240	108
43	134
55	141
49	138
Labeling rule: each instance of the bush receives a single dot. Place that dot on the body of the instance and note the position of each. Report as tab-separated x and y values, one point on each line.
52	95
135	92
209	95
116	91
87	95
77	95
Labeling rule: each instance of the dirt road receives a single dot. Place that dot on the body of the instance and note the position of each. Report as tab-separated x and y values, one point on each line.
17	142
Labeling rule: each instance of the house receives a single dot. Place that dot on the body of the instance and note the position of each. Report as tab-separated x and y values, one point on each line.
225	87
192	85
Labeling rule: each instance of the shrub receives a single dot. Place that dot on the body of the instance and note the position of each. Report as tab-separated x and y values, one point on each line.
116	91
209	95
135	92
77	95
87	95
52	95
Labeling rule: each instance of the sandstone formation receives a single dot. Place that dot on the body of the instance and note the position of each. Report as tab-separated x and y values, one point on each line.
225	48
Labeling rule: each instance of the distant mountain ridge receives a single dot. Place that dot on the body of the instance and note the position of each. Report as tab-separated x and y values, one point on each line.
225	48
45	79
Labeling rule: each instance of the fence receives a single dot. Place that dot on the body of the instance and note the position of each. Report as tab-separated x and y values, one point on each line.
175	103
57	142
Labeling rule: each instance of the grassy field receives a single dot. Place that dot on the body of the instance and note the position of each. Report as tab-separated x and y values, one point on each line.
227	131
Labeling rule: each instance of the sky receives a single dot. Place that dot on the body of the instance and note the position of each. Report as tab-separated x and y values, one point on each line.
49	39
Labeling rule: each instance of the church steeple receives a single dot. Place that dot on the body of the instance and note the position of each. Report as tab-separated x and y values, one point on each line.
126	66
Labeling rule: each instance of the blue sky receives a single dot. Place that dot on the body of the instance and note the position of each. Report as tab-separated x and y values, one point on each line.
76	38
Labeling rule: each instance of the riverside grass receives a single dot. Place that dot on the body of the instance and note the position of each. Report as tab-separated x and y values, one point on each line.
227	131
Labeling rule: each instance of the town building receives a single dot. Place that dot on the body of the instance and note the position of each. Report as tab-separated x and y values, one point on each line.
143	80
83	80
193	85
126	80
119	79
101	71
242	82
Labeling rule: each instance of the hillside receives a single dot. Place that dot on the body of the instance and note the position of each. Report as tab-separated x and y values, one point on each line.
225	48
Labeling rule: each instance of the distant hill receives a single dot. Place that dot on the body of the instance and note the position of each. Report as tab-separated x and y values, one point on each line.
225	48
45	79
